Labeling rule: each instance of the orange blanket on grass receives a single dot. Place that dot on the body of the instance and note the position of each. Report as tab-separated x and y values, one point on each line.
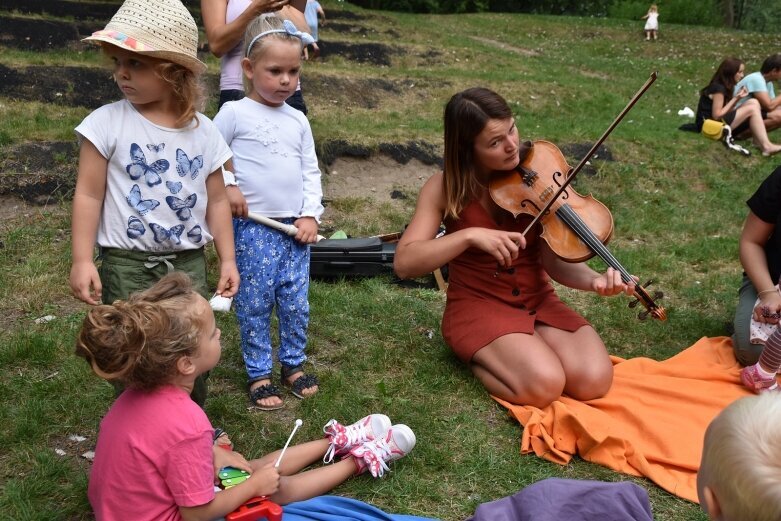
652	421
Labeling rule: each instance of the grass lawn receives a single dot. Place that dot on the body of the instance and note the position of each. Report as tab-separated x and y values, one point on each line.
678	201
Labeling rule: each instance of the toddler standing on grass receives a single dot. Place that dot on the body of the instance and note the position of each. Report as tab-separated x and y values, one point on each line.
145	192
651	22
276	176
155	458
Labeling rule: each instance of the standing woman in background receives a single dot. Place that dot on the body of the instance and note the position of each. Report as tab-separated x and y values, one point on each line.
225	22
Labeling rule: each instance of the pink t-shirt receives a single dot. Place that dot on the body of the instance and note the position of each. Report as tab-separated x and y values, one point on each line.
154	454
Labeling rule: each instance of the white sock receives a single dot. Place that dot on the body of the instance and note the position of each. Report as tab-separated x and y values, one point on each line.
764	374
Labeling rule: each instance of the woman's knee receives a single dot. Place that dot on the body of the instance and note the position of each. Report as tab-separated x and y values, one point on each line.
590	381
539	389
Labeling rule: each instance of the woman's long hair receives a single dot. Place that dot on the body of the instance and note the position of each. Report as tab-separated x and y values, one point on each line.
466	115
725	75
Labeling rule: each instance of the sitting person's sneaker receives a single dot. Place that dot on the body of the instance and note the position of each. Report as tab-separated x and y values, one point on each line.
753	380
374	455
343	438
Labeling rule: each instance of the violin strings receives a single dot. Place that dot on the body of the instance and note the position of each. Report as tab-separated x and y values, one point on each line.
573	220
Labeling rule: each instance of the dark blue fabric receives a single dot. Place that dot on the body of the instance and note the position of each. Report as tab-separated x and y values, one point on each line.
557	499
336	508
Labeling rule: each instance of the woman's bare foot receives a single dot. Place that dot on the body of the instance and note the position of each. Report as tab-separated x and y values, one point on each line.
772	149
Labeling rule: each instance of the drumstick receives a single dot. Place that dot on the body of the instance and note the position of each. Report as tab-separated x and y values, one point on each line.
279	459
289	229
271	223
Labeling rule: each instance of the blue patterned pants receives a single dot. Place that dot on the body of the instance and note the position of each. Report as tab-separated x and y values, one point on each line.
274	269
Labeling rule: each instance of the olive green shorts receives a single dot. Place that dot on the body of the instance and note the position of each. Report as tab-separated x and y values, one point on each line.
124	272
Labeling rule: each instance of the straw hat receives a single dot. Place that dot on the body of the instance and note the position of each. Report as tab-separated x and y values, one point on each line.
162	29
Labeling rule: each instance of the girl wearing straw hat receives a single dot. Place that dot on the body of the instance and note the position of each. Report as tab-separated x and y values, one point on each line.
145	192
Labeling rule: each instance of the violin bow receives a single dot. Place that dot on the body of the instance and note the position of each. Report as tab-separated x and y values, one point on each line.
572	173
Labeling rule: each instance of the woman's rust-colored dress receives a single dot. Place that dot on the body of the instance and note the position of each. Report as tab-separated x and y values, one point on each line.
485	302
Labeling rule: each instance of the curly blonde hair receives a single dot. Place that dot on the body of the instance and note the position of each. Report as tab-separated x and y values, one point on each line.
187	88
138	341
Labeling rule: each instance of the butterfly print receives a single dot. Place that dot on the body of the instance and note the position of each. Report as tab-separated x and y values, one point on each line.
139	167
196	234
182	207
155	148
142	206
173	186
185	166
162	234
135	228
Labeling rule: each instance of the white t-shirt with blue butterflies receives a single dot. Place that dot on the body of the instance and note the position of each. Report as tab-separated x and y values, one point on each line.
274	158
156	183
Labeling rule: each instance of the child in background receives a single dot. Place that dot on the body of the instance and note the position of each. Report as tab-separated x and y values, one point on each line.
145	190
155	458
313	12
651	22
277	176
739	477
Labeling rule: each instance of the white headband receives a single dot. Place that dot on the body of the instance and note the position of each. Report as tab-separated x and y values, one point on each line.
289	28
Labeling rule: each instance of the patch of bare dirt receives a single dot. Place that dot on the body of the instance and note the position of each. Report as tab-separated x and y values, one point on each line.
76	10
39	172
43	35
369	52
379	178
73	86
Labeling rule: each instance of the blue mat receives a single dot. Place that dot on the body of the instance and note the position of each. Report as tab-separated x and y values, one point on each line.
336	508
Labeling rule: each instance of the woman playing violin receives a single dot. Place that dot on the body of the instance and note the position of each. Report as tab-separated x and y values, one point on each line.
502	316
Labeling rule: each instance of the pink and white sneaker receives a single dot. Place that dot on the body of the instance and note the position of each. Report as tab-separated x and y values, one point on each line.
751	378
345	438
374	455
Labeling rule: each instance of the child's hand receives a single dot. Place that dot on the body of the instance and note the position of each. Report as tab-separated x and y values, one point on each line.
237	201
265	480
228	284
307	230
85	283
229	458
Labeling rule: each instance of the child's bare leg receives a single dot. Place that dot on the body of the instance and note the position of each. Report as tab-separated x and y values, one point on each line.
312	483
296	457
648	35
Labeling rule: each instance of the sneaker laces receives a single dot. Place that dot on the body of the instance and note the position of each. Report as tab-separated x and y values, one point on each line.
375	454
343	438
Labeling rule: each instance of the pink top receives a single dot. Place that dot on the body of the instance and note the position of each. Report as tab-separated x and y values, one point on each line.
154	454
230	70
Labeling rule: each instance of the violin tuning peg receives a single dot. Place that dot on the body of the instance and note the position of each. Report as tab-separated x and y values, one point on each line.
650	281
642	315
634	303
658	295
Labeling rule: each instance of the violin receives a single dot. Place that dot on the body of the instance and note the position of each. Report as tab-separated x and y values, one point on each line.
576	228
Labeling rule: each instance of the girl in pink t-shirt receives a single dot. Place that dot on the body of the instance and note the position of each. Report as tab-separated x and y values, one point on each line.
155	458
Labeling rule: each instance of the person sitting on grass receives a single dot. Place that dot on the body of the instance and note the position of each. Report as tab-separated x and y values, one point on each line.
740	477
717	102
502	316
155	456
760	87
